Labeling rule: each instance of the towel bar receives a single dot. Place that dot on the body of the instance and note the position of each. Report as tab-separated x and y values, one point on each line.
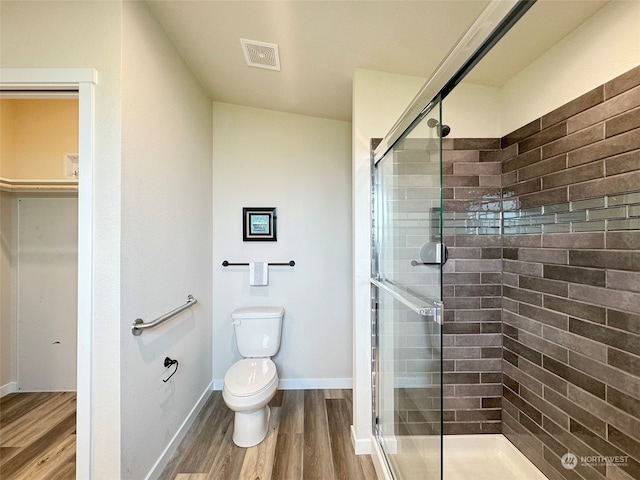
288	264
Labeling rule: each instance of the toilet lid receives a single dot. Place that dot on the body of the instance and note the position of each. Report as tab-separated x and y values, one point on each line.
249	376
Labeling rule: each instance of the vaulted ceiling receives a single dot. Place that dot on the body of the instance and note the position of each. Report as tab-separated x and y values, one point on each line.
321	43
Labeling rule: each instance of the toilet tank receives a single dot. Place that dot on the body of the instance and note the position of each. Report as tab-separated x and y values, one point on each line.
258	330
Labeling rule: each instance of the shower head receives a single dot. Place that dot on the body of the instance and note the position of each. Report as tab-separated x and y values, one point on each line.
443	131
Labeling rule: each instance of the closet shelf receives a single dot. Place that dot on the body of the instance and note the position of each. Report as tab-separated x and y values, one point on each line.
38	185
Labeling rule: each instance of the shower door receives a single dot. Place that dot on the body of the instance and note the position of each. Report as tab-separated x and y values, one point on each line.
407	302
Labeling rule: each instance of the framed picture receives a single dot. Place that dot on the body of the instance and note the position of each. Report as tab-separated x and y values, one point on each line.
259	224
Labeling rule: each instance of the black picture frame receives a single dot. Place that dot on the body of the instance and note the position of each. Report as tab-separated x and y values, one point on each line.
259	224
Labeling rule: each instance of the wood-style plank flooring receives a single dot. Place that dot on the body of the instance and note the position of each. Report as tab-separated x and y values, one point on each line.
309	439
38	436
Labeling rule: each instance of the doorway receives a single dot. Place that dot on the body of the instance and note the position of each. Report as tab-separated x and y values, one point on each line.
83	81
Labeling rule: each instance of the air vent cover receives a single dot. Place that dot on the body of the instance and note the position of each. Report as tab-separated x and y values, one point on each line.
261	54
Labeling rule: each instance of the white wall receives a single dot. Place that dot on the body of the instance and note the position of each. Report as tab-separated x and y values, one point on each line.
57	34
301	165
604	47
166	239
7	294
378	100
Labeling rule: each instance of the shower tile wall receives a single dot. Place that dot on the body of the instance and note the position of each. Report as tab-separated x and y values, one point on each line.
472	338
571	191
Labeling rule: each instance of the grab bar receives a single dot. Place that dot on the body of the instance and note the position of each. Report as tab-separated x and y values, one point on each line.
139	325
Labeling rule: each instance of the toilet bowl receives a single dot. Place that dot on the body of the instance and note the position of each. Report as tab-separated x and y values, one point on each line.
251	382
249	385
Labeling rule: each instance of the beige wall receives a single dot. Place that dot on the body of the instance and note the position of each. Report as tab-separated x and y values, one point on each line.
38	133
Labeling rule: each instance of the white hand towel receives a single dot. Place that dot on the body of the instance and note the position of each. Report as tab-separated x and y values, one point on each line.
258	273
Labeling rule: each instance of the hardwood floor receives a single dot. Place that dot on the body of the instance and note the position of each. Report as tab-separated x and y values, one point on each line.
309	439
38	436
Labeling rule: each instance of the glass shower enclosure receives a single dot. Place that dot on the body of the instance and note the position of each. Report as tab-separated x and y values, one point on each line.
406	286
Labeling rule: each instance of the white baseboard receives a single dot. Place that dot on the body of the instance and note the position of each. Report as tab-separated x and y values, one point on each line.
303	383
162	462
361	446
8	388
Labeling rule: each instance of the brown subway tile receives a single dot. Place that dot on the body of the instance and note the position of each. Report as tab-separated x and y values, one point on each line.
543	167
576	343
479	241
522	378
454	156
474	193
544	255
457	353
589	276
602	446
522	268
544	316
574	376
574	308
482	315
544	346
455	328
492	402
476	143
546	197
575	175
608	336
573	410
573	240
573	107
619	260
460	278
607	374
624	82
623	123
623	240
623	280
603	111
624	361
627	162
458	378
492	377
528	158
574	141
523	406
615	417
623	321
512	322
624	402
542	285
522	350
520	134
521	188
624	442
524	296
607	297
464	168
544	136
463	252
522	241
491	340
622	143
460	181
478	415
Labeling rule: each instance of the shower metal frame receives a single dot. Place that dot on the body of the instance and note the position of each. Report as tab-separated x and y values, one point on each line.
488	29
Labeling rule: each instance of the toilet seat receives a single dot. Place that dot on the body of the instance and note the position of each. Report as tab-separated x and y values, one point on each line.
250	376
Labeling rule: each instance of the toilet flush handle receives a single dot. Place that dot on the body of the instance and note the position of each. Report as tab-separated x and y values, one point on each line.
235	322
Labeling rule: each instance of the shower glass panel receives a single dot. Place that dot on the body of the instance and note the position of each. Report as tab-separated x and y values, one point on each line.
407	298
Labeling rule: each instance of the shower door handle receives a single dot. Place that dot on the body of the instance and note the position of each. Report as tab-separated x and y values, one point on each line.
432	253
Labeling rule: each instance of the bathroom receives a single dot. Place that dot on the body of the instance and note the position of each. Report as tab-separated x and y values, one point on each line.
127	375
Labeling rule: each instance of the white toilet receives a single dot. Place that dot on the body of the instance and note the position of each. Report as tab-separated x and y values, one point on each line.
250	383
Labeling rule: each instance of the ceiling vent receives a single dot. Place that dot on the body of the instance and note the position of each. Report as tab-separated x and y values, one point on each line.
261	54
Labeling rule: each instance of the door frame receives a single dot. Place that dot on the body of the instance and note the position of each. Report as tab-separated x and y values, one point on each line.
84	81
